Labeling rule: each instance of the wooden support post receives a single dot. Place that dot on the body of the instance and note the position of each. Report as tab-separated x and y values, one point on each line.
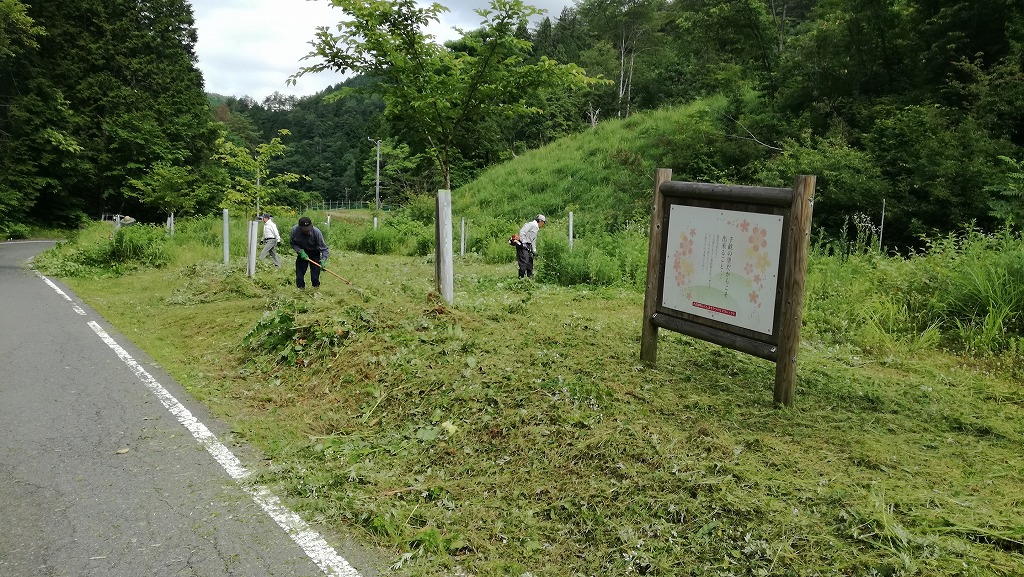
793	291
655	262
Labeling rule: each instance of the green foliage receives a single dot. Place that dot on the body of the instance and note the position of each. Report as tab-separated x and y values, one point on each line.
497	251
19	32
1008	207
123	77
483	230
168	188
251	173
397	233
984	295
142	245
727	38
383	240
422	208
437	92
11	230
129	248
849	181
964	292
37	149
937	167
617	260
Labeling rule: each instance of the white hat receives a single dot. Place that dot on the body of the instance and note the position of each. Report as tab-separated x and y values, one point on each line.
540	218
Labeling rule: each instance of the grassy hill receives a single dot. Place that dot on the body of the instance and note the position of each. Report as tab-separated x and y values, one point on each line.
605	175
516	433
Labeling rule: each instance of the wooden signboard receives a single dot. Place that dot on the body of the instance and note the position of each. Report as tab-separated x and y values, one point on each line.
727	264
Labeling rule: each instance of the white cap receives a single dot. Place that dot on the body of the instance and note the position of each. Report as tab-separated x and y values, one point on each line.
540	217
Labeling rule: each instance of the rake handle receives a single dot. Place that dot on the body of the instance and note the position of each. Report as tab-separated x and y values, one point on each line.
329	272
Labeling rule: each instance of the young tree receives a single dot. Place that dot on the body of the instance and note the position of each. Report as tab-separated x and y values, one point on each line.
167	187
251	172
434	91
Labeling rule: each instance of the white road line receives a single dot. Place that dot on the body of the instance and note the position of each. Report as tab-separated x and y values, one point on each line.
315	546
311	542
74	305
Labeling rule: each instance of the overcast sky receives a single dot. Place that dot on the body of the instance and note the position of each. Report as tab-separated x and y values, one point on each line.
251	47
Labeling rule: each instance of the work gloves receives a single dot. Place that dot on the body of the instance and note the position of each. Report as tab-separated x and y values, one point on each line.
303	255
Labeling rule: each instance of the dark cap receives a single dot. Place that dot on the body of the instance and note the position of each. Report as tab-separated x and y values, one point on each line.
264	216
305	222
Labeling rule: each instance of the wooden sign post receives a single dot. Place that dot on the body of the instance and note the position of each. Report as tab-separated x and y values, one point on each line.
727	264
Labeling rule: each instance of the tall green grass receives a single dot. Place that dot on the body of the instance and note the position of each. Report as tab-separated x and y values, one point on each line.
105	250
964	293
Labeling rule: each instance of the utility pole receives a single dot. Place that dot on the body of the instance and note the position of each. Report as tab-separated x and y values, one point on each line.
376	209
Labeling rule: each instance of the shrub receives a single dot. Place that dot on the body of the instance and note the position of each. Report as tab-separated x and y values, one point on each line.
602	261
96	251
482	231
144	245
498	251
421	208
421	243
384	240
14	230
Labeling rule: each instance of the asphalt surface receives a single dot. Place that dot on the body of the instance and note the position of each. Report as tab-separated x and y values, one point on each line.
102	474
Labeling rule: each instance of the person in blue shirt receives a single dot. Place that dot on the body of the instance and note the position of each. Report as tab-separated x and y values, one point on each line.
308	243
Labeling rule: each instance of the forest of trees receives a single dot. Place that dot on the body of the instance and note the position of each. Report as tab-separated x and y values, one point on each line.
918	102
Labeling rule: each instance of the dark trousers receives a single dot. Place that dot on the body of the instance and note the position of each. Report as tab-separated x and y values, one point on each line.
300	271
524	254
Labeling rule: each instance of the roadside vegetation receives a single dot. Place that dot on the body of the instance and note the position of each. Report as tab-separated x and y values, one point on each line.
517	433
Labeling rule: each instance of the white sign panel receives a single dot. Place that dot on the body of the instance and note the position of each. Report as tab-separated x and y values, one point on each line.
723	265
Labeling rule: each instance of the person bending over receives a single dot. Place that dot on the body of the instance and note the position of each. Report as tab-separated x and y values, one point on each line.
308	243
527	249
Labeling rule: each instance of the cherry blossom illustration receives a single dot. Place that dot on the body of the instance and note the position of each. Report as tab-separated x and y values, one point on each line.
758	238
682	265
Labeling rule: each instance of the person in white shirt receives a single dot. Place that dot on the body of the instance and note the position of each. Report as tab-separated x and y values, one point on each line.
271	238
527	247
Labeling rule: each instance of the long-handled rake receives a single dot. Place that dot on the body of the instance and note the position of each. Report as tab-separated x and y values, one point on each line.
329	272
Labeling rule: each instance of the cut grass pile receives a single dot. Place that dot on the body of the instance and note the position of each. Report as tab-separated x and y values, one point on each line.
517	433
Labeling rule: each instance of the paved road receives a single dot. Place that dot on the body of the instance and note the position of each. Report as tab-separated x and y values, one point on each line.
109	469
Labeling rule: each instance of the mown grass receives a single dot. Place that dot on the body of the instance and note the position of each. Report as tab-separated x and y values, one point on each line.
517	433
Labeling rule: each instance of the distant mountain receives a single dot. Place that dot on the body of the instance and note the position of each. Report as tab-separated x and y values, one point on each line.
216	99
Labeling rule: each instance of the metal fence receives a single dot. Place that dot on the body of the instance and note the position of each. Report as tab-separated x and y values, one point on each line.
326	205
